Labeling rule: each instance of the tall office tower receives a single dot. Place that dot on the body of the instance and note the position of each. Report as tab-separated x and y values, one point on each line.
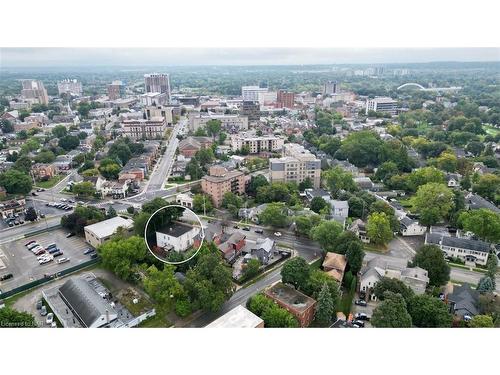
34	91
70	86
116	90
330	87
251	110
251	93
157	82
285	99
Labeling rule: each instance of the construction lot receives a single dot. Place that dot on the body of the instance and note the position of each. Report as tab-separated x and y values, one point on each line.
17	260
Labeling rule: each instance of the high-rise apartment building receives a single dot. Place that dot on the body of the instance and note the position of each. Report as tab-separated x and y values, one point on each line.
34	91
251	110
295	165
70	86
251	93
330	87
220	181
382	104
157	82
285	99
116	90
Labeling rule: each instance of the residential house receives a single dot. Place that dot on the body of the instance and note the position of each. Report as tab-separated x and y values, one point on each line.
453	179
475	202
416	278
410	227
230	245
463	301
177	236
358	226
185	199
364	183
334	265
468	250
43	172
263	250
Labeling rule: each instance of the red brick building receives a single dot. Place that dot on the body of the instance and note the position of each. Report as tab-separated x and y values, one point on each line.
296	303
285	99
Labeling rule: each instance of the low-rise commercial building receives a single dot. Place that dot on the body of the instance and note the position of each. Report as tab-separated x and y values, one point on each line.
382	104
229	123
98	233
239	317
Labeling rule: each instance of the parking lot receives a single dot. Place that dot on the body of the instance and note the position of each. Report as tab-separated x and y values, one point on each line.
17	260
368	309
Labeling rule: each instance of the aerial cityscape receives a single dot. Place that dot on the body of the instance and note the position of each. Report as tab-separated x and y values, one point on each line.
327	195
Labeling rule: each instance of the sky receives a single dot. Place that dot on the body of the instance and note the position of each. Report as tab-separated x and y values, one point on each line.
59	57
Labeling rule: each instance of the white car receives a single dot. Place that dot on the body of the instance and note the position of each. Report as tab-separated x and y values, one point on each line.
45	260
277	234
50	318
62	260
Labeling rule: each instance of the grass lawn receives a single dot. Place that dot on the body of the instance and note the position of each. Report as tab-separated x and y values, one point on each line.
375	248
135	308
50	182
156	321
491	130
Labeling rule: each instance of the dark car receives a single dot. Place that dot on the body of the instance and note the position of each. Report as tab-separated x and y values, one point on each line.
93	255
58	253
34	194
236	227
362	316
6	277
360	323
71	234
88	251
11	224
42	215
53	250
259	231
246	229
360	302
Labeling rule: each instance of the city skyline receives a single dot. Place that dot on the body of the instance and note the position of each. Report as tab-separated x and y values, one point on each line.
93	57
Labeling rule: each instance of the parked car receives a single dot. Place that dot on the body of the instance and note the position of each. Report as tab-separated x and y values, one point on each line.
57	254
45	261
277	234
29	242
71	201
71	234
359	323
356	324
246	229
236	227
43	310
39	304
32	245
259	231
42	215
34	194
63	200
6	277
62	260
50	318
53	250
40	252
53	325
362	316
51	246
11	224
360	302
88	251
93	255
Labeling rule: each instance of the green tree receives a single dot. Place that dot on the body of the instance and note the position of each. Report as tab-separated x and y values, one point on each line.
344	241
202	203
251	269
296	272
488	187
378	228
483	222
15	182
45	156
362	148
10	318
194	170
392	285
273	315
486	285
427	311
481	321
318	204
315	282
304	224
31	214
431	258
59	131
84	189
424	176
162	286
111	212
326	233
109	168
337	179
213	127
255	183
391	312
23	164
122	255
433	202
140	221
305	184
69	142
209	283
355	255
447	162
325	308
492	267
274	215
386	171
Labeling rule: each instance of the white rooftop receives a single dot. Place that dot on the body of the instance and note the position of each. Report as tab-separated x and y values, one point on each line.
108	227
239	317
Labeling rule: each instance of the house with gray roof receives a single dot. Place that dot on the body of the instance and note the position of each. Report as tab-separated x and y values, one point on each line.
263	250
475	202
411	227
468	250
463	301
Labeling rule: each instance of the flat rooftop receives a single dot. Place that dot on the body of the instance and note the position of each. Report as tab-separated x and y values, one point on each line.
108	227
290	297
176	229
239	317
